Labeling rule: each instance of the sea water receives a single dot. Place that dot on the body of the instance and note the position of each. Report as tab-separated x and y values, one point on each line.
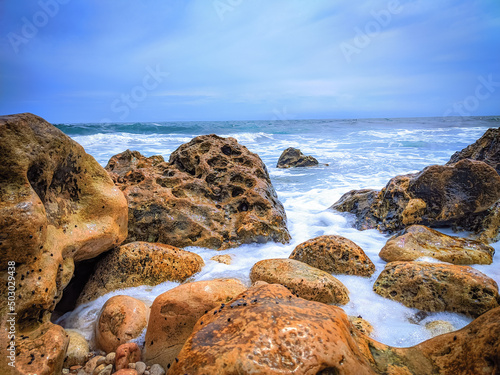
354	154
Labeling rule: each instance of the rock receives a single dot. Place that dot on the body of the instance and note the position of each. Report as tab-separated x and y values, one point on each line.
57	206
122	318
293	157
175	312
486	148
140	367
78	349
437	196
225	258
308	282
110	358
107	370
140	263
419	241
213	193
438	287
125	371
364	326
127	353
334	254
439	327
156	369
93	363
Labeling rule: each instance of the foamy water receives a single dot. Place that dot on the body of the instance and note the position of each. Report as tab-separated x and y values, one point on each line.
361	154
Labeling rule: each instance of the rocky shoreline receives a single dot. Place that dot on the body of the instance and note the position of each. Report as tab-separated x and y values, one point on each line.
59	208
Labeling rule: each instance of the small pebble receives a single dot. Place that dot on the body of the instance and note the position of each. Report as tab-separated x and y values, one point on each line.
65	370
156	369
110	358
131	365
140	367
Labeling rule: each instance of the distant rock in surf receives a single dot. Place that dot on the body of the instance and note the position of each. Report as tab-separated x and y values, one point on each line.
213	193
293	157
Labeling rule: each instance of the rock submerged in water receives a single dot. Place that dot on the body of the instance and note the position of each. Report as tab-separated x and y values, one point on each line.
334	254
438	287
293	158
140	263
57	206
419	241
213	193
302	279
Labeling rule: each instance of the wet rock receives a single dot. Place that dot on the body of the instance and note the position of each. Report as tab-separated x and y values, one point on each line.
308	282
419	241
175	312
437	196
439	327
225	258
127	353
140	263
293	157
78	349
438	287
364	326
122	318
486	148
213	193
57	206
334	254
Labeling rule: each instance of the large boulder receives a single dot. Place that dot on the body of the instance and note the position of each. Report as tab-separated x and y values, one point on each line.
267	331
175	312
57	206
121	319
419	241
302	279
438	287
213	193
293	157
437	196
140	263
334	254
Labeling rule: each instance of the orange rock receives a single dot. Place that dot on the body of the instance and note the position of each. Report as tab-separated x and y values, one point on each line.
438	287
140	263
122	318
213	193
125	371
308	282
419	241
334	254
127	353
175	312
225	258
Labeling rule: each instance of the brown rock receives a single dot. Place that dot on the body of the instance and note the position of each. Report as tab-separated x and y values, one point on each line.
225	258
293	157
334	254
364	326
438	287
127	353
78	349
57	206
437	196
140	263
175	312
308	282
213	193
419	241
94	363
439	327
125	371
122	318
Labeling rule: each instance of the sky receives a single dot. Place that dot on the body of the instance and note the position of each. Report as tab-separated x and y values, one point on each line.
190	60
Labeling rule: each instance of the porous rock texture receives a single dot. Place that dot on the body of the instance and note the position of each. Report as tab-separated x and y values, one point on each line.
121	319
419	241
437	196
140	263
175	312
334	254
302	279
438	287
213	193
267	330
293	157
57	206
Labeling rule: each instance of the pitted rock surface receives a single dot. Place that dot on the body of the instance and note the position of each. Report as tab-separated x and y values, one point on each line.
213	193
438	287
334	254
293	157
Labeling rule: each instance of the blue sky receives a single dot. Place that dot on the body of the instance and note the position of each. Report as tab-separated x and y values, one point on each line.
171	60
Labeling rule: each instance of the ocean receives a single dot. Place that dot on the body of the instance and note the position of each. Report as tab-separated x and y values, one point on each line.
360	153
